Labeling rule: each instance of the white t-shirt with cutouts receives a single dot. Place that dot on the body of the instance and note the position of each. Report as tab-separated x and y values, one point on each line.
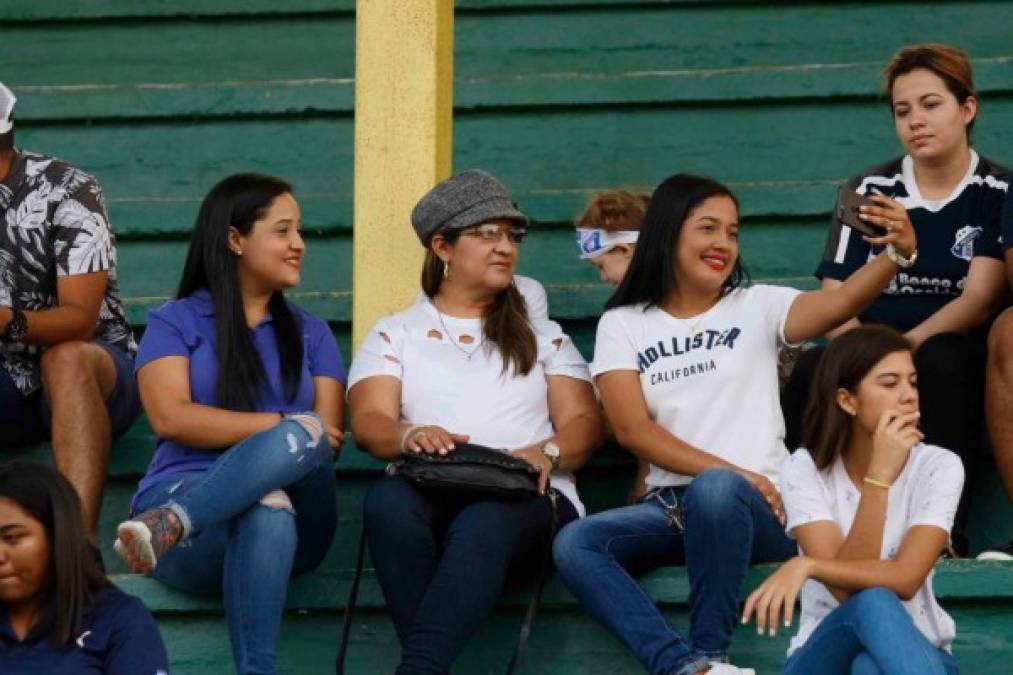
440	385
531	290
925	493
710	380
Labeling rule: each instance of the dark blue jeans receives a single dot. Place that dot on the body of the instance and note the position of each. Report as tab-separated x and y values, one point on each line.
242	548
726	525
869	634
443	562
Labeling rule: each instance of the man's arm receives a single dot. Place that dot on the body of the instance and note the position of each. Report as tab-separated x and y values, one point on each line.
79	298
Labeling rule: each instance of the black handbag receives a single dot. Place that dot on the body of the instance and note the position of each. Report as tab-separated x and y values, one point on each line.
470	471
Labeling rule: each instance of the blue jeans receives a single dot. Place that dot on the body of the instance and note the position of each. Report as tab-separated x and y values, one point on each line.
238	547
725	525
443	562
869	634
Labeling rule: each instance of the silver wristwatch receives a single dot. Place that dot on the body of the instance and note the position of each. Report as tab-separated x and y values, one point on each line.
904	263
551	450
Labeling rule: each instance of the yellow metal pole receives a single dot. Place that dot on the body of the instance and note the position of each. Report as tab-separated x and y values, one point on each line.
403	111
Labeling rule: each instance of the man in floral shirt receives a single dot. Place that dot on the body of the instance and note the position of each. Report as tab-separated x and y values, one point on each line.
66	349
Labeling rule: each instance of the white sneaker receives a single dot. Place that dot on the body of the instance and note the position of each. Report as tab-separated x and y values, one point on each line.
1003	553
728	669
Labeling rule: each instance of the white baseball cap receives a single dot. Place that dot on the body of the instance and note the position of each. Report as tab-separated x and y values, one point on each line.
7	101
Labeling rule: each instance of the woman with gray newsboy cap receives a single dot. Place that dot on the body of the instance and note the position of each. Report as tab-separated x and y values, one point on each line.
466	365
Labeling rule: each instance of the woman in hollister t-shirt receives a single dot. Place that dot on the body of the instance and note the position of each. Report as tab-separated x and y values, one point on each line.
686	363
871	507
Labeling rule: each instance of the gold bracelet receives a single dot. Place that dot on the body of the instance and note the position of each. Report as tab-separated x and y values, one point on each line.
408	432
877	483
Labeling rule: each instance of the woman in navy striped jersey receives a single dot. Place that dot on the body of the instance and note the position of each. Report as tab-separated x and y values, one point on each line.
945	301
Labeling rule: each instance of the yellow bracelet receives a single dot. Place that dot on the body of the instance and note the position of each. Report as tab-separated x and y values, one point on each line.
877	483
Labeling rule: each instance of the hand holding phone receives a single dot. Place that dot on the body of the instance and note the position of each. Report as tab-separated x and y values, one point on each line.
848	203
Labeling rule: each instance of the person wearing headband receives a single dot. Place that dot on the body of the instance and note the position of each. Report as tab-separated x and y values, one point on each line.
66	345
607	232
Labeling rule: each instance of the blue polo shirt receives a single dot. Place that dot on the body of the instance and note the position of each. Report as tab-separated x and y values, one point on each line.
118	637
186	327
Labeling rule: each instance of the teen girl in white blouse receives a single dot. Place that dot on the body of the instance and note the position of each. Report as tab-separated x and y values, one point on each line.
871	507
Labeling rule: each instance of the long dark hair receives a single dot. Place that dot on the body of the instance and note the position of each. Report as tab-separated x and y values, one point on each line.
847	360
74	575
651	275
505	322
239	201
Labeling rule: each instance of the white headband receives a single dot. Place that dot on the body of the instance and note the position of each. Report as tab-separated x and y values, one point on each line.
593	243
7	101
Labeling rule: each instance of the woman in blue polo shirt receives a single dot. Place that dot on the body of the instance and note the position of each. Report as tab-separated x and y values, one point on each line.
944	301
245	392
58	612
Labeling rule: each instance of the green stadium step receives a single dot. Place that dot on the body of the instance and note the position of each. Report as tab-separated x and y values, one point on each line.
978	595
562	643
327	588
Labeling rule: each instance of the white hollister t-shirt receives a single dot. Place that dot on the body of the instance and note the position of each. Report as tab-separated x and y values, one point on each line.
710	380
440	385
925	493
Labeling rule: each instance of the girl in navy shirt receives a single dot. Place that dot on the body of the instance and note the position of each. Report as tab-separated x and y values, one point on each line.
244	391
58	612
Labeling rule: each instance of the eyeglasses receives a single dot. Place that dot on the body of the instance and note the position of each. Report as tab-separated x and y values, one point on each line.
491	232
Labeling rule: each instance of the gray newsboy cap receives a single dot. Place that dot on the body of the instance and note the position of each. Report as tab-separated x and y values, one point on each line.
469	198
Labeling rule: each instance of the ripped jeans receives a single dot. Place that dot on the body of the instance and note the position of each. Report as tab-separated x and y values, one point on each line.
243	539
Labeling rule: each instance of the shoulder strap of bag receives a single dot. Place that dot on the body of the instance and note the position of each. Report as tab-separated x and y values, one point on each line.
353	595
543	575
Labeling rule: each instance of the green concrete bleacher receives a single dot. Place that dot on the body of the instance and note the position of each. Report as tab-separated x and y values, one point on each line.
558	97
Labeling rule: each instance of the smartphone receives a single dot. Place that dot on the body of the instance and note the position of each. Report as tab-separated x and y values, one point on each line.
848	202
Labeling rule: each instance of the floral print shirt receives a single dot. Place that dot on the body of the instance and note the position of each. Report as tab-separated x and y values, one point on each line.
53	223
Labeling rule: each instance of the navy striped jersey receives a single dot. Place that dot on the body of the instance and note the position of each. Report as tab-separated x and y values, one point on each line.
1007	221
950	232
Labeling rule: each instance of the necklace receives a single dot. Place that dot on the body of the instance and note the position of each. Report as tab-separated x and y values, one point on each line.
446	331
694	326
695	323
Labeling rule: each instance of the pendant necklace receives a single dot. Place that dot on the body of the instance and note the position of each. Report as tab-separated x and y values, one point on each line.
694	326
446	331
